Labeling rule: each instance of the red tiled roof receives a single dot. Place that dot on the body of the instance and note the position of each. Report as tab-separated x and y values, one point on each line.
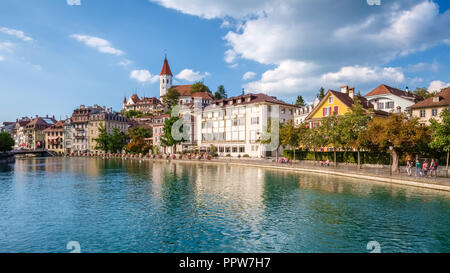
444	100
166	68
203	95
254	98
183	90
384	89
58	126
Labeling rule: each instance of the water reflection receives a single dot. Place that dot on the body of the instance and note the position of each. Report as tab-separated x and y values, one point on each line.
140	206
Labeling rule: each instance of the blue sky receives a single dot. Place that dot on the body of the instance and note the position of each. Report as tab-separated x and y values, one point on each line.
55	56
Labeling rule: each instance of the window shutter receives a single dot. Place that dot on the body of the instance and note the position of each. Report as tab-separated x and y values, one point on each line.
336	110
323	110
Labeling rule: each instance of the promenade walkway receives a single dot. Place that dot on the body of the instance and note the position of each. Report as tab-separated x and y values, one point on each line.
377	174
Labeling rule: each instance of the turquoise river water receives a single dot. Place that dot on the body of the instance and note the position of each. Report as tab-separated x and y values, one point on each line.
132	206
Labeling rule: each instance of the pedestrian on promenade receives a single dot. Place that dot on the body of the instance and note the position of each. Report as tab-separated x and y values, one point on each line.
409	166
418	168
433	168
425	168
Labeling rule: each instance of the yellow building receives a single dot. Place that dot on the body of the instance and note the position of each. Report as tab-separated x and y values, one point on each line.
54	138
338	103
107	119
431	108
34	132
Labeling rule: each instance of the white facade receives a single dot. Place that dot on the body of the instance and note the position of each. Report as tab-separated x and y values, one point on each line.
235	129
390	103
165	84
302	112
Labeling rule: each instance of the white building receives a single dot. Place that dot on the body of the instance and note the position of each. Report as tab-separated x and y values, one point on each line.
392	100
235	126
302	112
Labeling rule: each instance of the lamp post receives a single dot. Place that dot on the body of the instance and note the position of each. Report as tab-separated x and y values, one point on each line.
390	164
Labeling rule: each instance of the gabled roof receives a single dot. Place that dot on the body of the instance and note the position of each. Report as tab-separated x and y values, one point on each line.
58	126
444	100
347	101
385	89
166	68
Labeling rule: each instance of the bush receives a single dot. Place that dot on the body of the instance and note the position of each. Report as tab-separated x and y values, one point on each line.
246	156
228	155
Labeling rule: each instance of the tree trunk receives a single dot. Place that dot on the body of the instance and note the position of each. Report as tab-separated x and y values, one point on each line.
294	156
314	157
335	161
394	167
359	159
448	154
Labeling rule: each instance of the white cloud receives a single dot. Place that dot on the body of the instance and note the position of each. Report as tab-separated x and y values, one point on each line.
74	2
437	86
144	76
191	75
17	33
2	58
99	44
230	56
341	39
249	75
421	67
125	62
360	75
6	46
293	77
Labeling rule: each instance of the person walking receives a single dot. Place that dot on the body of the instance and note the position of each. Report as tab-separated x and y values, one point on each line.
418	168
409	166
425	168
433	168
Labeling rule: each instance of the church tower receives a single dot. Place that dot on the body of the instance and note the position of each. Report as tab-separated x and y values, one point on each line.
165	78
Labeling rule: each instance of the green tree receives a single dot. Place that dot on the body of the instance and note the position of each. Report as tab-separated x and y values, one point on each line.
331	131
199	87
6	142
397	135
103	139
300	102
440	133
167	139
220	93
352	127
116	141
321	93
423	92
132	114
172	97
289	135
138	144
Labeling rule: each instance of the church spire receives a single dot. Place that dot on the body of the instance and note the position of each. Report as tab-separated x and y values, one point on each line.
166	68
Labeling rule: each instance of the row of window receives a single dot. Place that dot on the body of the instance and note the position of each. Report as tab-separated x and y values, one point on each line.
434	113
387	105
232	149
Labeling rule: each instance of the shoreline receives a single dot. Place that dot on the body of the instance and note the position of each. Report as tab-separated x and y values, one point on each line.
302	169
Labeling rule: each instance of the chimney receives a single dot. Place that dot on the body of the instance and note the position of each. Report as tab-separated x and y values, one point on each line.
95	106
351	92
37	116
81	106
344	89
54	116
407	89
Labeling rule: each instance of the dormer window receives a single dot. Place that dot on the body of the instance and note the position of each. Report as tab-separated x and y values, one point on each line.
435	99
248	99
